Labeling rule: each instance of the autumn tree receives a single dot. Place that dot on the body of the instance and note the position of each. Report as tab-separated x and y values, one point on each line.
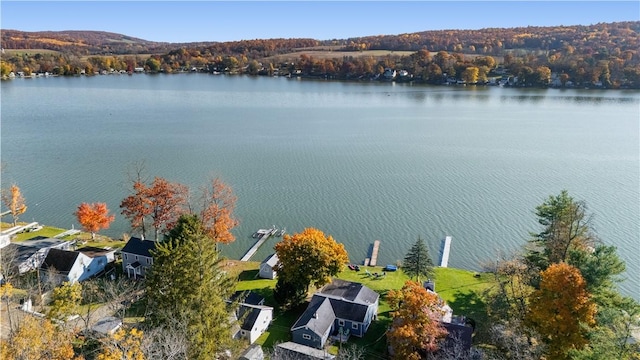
566	226
65	301
418	262
94	217
37	339
136	207
12	198
161	203
186	284
307	258
560	308
123	345
218	203
416	329
167	201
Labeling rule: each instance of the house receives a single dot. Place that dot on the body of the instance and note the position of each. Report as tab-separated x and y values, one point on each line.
70	266
136	257
341	308
30	254
292	350
267	267
254	352
255	317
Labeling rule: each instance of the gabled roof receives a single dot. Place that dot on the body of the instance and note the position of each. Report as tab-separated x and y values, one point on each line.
318	317
348	310
92	251
60	260
140	247
253	313
271	260
350	291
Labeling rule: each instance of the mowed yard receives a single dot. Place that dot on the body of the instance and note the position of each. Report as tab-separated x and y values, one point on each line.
461	289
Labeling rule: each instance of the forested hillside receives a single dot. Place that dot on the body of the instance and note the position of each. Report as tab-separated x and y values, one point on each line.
603	55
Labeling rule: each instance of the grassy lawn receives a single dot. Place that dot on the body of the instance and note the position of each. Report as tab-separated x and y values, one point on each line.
461	289
84	239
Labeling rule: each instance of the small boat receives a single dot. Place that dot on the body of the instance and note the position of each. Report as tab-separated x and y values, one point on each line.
281	232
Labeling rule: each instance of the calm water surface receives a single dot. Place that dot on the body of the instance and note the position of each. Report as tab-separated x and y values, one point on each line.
360	161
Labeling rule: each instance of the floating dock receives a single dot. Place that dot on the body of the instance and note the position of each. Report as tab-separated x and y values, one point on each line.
374	253
446	247
263	235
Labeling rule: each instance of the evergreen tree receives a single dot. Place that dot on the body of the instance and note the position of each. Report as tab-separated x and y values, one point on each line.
417	262
187	286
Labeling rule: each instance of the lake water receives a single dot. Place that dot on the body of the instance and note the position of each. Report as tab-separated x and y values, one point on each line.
359	161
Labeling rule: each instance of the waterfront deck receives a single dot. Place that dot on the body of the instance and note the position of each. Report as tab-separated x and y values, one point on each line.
446	247
263	235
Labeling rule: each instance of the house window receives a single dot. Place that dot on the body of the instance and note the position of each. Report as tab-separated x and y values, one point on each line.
136	257
340	322
306	336
125	256
354	326
148	261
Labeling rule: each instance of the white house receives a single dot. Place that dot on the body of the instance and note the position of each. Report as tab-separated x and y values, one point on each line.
255	317
267	267
69	266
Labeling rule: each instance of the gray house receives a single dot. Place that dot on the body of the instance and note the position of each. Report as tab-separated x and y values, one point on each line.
29	255
341	308
136	257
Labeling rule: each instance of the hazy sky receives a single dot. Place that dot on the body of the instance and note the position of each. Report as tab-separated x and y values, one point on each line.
179	21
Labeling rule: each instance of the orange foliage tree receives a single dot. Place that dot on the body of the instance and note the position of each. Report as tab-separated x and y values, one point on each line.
136	207
167	202
162	201
38	339
306	258
13	199
416	328
216	215
560	308
93	217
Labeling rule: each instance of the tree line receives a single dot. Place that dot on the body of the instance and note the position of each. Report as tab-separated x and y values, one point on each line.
602	54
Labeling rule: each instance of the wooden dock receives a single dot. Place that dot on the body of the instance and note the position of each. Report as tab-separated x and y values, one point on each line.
446	247
264	235
373	260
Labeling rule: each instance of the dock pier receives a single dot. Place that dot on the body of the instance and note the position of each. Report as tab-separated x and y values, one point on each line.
446	247
372	260
263	235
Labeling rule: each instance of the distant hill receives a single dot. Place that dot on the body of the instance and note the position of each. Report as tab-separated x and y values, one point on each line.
612	37
80	42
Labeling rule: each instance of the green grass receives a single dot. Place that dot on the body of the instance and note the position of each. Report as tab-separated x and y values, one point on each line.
461	289
51	231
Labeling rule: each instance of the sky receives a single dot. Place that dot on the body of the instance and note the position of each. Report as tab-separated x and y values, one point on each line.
192	21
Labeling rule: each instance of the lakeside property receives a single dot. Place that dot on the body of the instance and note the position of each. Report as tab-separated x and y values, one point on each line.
461	289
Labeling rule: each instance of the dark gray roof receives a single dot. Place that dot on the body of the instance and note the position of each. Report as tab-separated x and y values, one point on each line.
318	317
60	260
140	247
248	297
42	242
19	252
349	311
350	291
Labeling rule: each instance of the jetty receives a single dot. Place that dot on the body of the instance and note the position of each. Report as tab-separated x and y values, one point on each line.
372	260
262	235
72	231
446	247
